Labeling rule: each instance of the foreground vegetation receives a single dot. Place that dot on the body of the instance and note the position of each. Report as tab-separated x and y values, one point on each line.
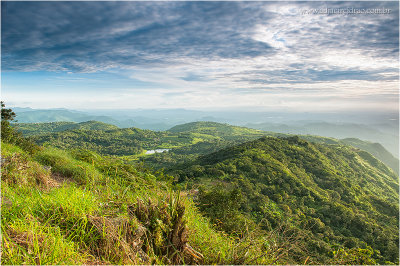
271	200
80	208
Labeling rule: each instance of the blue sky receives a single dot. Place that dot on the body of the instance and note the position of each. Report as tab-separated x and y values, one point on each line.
199	55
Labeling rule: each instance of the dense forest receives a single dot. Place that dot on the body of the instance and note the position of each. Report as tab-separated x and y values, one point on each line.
334	195
83	193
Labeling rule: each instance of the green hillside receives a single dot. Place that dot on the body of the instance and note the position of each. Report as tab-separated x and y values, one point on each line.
335	195
31	129
231	135
126	141
133	141
376	149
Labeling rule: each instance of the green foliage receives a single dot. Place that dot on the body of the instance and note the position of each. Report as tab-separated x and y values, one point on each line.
9	135
64	164
112	142
377	150
215	129
354	256
6	114
222	206
32	243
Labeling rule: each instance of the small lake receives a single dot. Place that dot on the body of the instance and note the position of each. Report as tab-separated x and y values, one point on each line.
156	151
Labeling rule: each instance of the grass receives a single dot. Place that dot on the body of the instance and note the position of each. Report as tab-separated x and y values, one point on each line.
29	242
63	163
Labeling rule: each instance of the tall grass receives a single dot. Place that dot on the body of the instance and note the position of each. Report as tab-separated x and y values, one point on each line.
64	164
29	242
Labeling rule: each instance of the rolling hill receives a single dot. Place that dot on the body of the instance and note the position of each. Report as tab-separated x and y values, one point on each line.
215	129
31	129
184	141
229	132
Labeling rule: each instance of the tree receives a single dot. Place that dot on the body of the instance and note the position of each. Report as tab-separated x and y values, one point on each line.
6	114
10	135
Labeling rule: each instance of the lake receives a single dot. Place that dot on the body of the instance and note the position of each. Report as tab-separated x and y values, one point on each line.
156	151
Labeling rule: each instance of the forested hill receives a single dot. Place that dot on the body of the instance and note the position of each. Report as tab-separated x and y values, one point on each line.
30	129
336	195
215	129
132	141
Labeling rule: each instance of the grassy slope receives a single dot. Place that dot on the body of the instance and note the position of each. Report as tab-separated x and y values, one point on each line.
349	193
77	207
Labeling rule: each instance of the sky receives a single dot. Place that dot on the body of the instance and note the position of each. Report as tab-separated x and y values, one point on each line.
199	55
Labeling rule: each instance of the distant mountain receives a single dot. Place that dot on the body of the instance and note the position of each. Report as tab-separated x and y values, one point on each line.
385	134
332	195
37	116
375	149
22	109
